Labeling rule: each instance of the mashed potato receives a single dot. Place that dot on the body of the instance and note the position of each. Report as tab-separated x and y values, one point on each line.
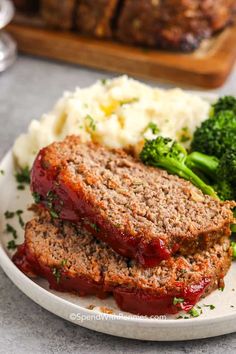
119	113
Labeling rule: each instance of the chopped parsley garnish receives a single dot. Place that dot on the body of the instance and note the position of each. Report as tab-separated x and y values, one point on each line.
104	81
50	198
211	307
63	262
233	245
91	122
21	187
23	176
193	312
11	245
221	289
57	274
2	172
178	300
21	221
153	127
9	214
183	317
128	101
183	271
37	197
185	129
95	227
53	214
11	230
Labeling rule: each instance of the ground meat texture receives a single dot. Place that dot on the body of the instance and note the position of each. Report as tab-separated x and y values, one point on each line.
172	24
58	13
71	259
140	211
95	19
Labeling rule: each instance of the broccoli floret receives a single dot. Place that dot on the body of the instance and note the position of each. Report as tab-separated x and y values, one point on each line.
226	103
227	167
216	135
171	156
224	190
221	171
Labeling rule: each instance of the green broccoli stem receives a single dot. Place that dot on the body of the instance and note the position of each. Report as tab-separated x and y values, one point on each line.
204	163
183	171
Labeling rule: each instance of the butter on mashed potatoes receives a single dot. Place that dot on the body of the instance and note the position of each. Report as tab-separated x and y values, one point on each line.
118	113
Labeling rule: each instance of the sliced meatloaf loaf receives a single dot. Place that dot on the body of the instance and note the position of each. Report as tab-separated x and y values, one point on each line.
140	211
72	260
96	19
58	13
174	24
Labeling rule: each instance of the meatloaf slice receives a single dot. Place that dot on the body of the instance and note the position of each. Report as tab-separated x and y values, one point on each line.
71	259
172	24
58	14
140	211
96	19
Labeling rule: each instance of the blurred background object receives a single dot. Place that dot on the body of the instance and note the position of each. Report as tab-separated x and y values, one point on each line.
170	24
185	41
173	24
7	44
27	5
58	16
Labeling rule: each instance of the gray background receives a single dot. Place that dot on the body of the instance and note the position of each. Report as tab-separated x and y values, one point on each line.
27	90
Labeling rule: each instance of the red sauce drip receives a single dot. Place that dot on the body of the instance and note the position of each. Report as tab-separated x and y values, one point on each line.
73	206
130	300
150	305
21	261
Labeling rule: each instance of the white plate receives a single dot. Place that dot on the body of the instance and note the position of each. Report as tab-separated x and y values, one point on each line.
215	322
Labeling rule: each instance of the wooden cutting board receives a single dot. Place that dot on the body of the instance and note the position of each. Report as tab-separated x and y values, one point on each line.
207	67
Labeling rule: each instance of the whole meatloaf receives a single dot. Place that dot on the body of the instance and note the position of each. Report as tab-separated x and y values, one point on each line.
72	260
175	24
96	19
140	211
58	13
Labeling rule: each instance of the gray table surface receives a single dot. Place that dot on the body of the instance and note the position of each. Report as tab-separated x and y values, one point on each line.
27	90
